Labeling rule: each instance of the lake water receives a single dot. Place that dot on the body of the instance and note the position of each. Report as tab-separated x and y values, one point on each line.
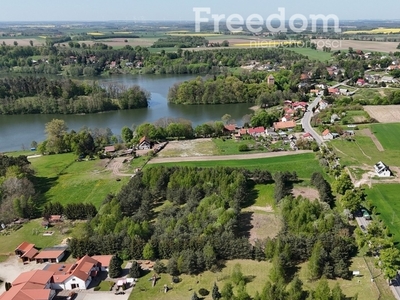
18	131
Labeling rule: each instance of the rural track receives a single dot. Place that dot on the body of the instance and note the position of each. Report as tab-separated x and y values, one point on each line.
160	160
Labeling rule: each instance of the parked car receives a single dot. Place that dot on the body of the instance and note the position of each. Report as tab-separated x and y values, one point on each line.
71	295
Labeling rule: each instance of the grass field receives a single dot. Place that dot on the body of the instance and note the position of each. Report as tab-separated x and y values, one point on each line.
303	164
230	146
312	54
265	195
61	178
386	134
386	199
364	151
31	232
257	273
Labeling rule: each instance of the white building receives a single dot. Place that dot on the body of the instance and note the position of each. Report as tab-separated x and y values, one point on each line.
382	170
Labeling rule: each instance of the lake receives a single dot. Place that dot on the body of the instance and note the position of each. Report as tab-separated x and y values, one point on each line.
18	131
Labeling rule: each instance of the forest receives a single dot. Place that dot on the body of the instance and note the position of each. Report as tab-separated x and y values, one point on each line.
242	88
39	95
180	42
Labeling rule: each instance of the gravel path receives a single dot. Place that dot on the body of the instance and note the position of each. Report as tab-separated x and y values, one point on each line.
159	160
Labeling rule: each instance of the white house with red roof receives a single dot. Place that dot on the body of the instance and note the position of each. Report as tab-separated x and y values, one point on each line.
257	131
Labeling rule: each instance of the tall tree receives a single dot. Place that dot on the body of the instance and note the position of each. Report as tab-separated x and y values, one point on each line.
55	130
115	268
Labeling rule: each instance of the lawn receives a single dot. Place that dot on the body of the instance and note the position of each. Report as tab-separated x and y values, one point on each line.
386	199
30	232
312	54
387	134
303	164
231	146
61	178
265	195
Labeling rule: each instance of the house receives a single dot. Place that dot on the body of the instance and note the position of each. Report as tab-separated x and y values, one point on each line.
382	170
284	125
51	255
334	118
307	136
387	79
104	260
144	143
74	276
333	91
344	92
109	149
323	104
258	131
361	82
32	285
55	219
327	135
300	105
230	128
26	251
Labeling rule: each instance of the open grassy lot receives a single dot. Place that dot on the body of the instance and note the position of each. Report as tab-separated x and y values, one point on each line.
386	199
303	164
386	134
358	285
265	195
312	54
31	232
61	178
231	146
364	151
256	273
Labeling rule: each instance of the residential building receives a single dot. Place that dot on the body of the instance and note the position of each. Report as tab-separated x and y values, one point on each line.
271	80
327	135
257	131
104	260
32	285
284	125
144	143
109	149
382	170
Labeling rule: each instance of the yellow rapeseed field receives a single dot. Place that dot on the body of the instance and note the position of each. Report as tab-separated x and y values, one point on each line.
95	33
374	31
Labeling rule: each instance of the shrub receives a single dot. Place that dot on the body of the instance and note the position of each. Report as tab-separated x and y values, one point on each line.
243	148
203	292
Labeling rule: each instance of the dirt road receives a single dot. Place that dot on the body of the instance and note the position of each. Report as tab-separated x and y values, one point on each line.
159	160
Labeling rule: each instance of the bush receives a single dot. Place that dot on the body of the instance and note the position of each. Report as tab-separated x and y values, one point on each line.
203	292
97	288
243	148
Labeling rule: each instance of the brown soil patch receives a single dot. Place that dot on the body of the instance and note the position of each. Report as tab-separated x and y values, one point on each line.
368	132
384	113
367	45
306	192
188	148
359	119
263	225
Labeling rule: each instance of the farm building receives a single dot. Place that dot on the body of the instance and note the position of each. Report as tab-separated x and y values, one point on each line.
26	251
51	255
382	170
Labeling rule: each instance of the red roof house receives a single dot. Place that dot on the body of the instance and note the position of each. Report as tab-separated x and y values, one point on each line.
26	251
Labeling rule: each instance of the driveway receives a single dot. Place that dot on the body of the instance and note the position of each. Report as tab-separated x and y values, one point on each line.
13	267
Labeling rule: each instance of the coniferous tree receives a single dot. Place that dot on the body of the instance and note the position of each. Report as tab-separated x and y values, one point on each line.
115	268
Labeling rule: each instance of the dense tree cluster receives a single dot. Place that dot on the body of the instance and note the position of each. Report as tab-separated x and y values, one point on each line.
180	42
18	197
196	228
323	187
243	88
32	95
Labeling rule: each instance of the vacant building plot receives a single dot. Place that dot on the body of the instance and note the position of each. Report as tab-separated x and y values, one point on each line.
384	113
189	148
386	134
368	132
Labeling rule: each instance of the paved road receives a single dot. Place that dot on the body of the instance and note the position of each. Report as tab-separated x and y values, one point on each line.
158	160
306	120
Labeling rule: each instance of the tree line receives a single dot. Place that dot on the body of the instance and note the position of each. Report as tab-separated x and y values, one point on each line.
34	95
